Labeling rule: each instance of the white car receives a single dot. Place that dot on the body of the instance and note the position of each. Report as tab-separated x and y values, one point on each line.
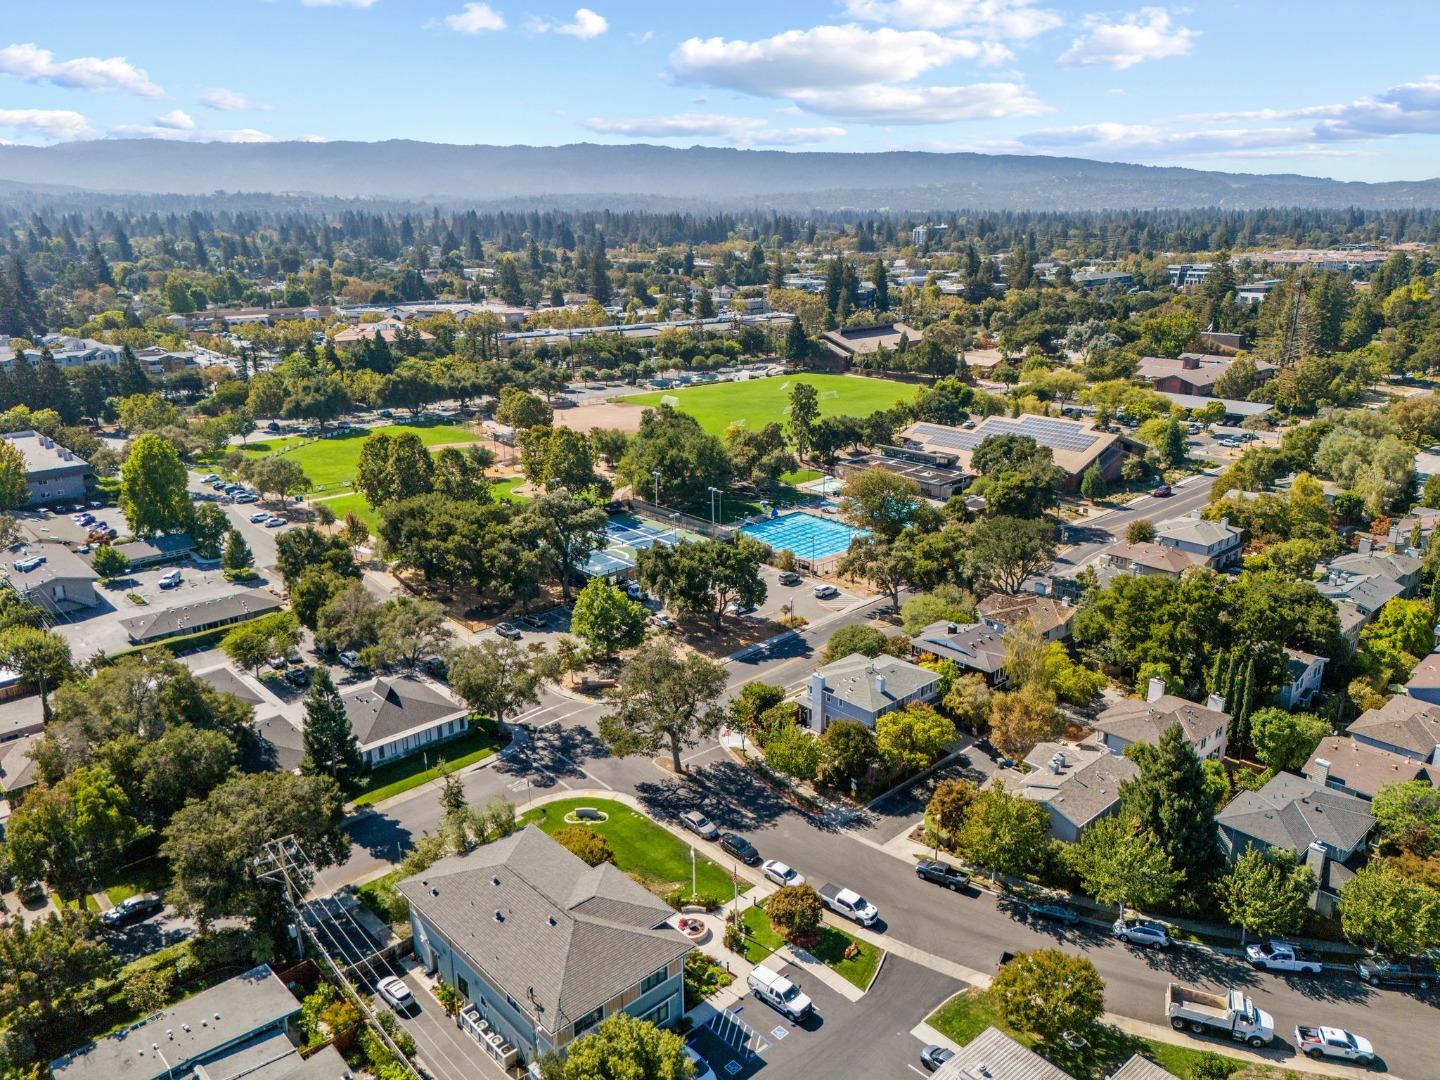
170	580
274	522
702	1067
1147	934
396	993
826	592
634	591
258	517
781	873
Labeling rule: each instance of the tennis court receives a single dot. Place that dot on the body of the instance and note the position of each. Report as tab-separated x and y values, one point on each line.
805	535
633	533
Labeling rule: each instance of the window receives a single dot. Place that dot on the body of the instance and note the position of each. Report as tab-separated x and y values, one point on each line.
651	981
462	985
590	1019
659	1016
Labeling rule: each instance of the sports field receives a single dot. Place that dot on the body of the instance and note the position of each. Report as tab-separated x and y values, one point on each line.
761	401
330	463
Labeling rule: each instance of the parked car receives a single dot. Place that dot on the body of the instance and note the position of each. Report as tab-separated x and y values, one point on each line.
297	676
534	622
170	580
826	592
779	993
274	522
1162	491
394	991
132	910
665	622
941	873
634	591
741	848
259	516
781	873
932	1057
247	497
737	609
210	478
849	904
701	1067
700	825
790	577
1322	1042
1282	956
508	630
435	666
1414	974
350	659
1052	910
32	892
1145	934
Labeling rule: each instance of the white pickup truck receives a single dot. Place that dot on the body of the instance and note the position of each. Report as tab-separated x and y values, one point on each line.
1231	1014
850	904
1320	1042
1282	956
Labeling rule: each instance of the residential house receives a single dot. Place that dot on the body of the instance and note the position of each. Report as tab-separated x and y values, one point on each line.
1152	557
240	605
18	771
1365	594
1255	292
1403	725
975	646
1074	444
1218	543
20	716
61	583
53	474
1135	721
1303	674
1192	373
1323	827
1403	531
1395	566
1077	784
993	1055
851	343
1424	683
1141	1068
859	687
542	946
395	717
1222	339
182	1039
67	352
1049	618
1184	275
1362	770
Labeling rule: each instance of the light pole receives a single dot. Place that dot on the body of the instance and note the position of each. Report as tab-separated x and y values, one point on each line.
656	474
713	492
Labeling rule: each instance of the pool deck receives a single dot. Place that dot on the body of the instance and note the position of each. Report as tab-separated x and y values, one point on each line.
815	538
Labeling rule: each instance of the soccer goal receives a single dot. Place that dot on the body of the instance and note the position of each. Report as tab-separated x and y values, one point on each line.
829	395
671	400
785	385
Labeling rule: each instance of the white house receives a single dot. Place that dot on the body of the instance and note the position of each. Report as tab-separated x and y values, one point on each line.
859	687
395	717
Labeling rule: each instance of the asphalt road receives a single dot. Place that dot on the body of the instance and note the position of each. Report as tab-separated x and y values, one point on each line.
1091	540
563	751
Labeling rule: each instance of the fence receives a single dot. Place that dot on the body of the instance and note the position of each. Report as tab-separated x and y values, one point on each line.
685	521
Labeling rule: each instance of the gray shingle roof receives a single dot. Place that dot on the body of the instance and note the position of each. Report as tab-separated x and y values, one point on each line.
853	679
61	564
1145	721
1406	723
569	936
1139	1068
201	615
383	708
1086	785
993	1055
1292	812
1363	769
974	645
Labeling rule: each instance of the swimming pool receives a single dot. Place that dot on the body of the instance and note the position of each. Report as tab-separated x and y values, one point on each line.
807	536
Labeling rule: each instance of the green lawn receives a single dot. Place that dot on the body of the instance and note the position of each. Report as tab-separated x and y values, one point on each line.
330	463
149	875
357	504
969	1013
761	401
410	772
761	940
643	848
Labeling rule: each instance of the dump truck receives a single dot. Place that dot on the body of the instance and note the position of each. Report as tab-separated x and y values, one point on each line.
1231	1013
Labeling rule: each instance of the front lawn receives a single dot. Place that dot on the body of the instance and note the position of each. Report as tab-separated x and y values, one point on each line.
757	402
970	1012
761	940
148	876
654	854
421	767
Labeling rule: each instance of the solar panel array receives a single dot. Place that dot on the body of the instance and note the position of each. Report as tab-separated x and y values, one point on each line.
1045	430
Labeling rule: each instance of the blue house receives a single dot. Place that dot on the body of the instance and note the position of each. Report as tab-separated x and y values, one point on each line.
543	946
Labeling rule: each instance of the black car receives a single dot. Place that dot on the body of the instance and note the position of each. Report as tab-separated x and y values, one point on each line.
941	873
1402	974
789	577
132	910
1052	910
932	1057
297	676
741	848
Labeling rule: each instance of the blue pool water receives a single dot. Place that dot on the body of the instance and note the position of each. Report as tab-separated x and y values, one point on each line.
807	536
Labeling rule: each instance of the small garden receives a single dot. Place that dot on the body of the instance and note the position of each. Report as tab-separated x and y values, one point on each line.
703	978
800	912
652	855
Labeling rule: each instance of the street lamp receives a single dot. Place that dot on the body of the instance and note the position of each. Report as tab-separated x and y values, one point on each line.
714	492
656	474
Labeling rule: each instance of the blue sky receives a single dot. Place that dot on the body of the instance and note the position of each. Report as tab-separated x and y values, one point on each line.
1324	87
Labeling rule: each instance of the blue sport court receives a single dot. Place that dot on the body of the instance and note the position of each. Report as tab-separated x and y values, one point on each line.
631	532
805	535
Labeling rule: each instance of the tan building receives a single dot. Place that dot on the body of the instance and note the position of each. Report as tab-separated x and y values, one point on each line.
1075	444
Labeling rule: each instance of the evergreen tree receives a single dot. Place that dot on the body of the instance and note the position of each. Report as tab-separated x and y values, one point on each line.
330	745
237	552
797	343
1171	800
881	280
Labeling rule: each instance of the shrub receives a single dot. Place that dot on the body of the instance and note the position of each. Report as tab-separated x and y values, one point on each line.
449	998
849	640
796	912
793	751
587	844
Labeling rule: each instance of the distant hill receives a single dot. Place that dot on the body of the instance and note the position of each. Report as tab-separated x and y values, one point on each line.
697	175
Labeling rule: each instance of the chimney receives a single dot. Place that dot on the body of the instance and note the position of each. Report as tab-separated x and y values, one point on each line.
1215	702
880	684
1316	856
1225	522
1190	362
1155	689
1365	546
1320	771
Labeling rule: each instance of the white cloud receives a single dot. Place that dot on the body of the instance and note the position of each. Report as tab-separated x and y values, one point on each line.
857	73
222	100
740	130
60	124
159	129
824	57
338	3
176	120
30	62
585	25
1016	19
924	104
474	19
1148	34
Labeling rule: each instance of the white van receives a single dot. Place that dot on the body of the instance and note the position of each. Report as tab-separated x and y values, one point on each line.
170	580
779	993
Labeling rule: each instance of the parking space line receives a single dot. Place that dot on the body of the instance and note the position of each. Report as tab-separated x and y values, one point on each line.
913	1069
